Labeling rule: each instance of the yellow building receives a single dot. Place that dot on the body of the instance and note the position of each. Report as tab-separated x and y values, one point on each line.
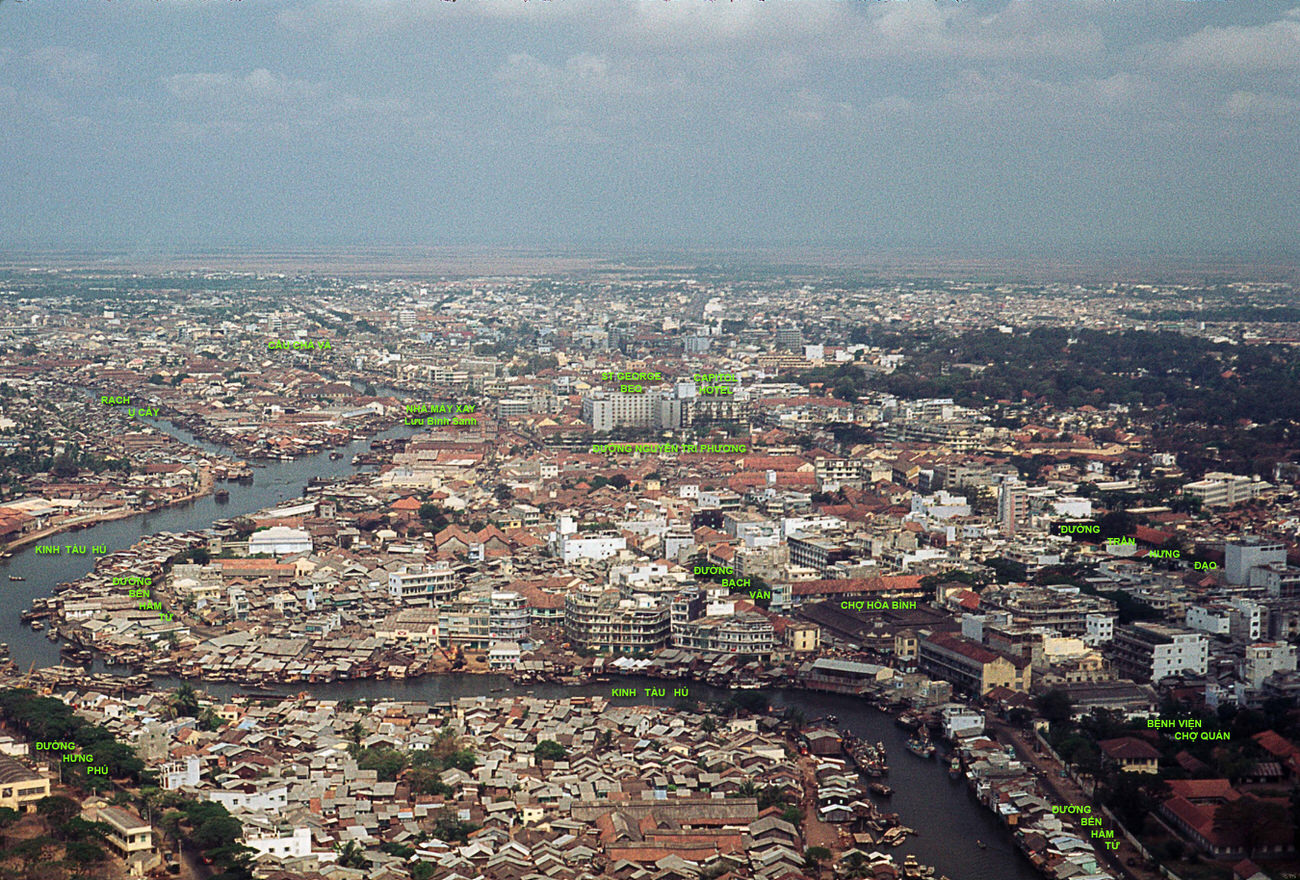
971	666
20	786
803	636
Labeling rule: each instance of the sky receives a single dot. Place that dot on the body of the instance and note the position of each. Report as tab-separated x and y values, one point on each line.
1033	127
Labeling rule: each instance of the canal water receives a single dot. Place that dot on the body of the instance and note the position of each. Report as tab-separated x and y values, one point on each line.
942	810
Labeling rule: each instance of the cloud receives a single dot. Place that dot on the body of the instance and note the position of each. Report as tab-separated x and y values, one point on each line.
227	103
1274	45
1256	105
68	67
582	99
260	85
584	75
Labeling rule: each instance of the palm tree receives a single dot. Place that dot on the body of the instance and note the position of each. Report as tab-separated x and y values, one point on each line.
184	701
352	856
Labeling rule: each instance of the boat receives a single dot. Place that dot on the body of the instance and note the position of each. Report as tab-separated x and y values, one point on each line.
908	719
954	767
14	577
981	844
221	494
881	789
866	758
37	625
919	744
895	836
335	456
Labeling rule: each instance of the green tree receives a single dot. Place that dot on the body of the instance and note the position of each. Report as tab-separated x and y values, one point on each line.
184	701
84	852
8	817
57	810
432	516
813	857
352	856
217	831
1055	706
550	750
387	763
1251	822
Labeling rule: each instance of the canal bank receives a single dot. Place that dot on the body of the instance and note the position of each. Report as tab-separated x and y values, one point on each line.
39	574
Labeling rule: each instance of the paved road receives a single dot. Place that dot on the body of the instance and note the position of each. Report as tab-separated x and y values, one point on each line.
192	867
1068	792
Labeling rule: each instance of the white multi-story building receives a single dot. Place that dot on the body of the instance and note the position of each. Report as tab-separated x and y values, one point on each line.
591	545
1212	619
1071	507
1279	581
719	499
175	774
604	621
648	577
605	411
1099	629
723	631
1240	556
1247	620
1265	658
266	797
282	843
509	617
941	505
428	584
1150	652
1224	490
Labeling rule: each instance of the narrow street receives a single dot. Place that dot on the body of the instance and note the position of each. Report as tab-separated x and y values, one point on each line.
815	831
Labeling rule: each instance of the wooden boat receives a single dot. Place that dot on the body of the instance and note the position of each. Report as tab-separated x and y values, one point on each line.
14	577
919	744
881	789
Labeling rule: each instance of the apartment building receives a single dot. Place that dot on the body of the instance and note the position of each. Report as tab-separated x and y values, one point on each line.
1243	555
747	632
428	584
479	619
602	620
1265	658
1149	652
